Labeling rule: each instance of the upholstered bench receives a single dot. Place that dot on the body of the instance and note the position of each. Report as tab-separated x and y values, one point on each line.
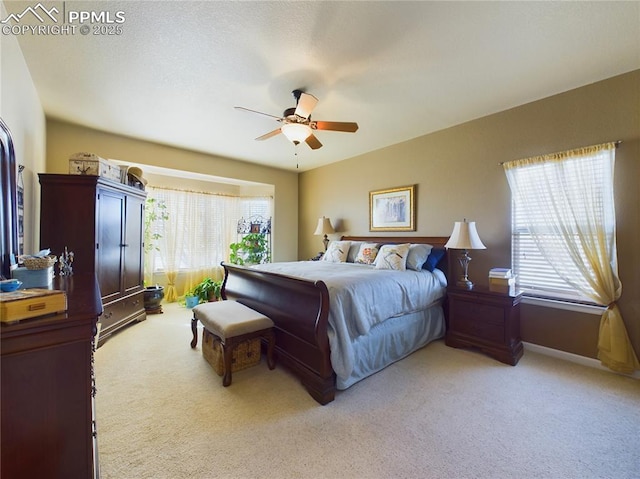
231	323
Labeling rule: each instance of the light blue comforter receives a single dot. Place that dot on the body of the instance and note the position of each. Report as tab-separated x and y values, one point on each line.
361	297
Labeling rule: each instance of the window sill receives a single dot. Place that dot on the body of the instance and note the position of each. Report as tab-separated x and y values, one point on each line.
566	305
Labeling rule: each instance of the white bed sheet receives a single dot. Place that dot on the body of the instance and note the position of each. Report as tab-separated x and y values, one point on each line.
361	298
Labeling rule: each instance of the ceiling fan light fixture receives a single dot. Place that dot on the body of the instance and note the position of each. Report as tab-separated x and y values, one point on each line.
296	132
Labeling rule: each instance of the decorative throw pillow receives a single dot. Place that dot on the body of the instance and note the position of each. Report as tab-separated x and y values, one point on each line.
367	253
337	252
434	258
393	256
418	254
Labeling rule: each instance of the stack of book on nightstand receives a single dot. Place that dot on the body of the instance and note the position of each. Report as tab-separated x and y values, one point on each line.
502	281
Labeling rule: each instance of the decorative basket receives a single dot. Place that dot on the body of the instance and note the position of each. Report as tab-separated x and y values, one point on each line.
244	355
40	263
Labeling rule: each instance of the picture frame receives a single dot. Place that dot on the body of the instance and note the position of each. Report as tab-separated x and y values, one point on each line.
392	209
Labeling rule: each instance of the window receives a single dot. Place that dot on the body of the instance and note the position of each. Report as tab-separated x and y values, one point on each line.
199	227
562	210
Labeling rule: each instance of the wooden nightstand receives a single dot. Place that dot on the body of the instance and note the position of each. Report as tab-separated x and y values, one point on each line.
486	320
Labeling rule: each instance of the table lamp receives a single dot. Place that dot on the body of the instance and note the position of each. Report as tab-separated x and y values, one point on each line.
324	228
464	237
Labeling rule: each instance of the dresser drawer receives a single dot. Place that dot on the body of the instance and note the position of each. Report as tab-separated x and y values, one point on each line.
133	305
121	312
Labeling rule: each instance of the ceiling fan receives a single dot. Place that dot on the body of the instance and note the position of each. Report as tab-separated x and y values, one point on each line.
297	125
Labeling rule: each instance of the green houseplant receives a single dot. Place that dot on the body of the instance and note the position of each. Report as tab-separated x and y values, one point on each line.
154	210
207	290
251	249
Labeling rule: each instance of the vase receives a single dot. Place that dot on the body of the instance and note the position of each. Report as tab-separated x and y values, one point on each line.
152	299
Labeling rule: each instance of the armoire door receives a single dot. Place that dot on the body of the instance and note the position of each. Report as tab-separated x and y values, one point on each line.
111	210
133	267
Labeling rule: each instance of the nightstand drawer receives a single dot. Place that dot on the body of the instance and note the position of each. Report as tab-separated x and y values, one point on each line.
472	321
482	312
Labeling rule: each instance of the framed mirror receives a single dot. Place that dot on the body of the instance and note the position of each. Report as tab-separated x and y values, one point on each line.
9	246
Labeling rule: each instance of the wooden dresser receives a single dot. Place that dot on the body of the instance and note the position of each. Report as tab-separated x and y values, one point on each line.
102	222
47	411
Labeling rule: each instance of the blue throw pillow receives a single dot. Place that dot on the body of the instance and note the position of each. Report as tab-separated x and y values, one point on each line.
434	258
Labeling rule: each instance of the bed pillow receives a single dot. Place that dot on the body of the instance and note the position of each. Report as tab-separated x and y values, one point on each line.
367	253
353	251
393	256
337	252
418	254
434	258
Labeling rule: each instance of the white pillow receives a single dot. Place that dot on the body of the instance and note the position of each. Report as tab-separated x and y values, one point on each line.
337	252
393	256
367	253
418	254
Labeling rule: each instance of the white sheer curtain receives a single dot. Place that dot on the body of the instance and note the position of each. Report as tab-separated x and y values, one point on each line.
195	237
568	201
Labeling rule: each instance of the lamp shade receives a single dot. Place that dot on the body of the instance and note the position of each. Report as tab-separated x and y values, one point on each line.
465	236
296	132
324	227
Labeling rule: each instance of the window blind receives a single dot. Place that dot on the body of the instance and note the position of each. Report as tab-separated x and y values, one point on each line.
539	274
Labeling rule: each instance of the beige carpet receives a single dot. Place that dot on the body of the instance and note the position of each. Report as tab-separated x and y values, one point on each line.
441	413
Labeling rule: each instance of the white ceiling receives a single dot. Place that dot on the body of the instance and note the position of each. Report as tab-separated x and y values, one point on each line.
398	69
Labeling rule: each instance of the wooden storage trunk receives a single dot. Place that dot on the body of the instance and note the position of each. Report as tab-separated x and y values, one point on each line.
245	354
31	303
90	164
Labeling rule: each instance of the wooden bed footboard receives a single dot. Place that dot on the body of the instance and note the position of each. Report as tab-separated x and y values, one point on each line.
300	310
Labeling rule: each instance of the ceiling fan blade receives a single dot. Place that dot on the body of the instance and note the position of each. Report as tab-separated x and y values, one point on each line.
306	104
266	136
258	112
345	126
313	142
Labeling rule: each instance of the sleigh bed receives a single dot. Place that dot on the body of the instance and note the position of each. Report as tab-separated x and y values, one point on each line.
337	323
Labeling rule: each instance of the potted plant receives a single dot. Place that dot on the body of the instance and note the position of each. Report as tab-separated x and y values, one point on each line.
207	290
251	249
153	298
154	210
191	300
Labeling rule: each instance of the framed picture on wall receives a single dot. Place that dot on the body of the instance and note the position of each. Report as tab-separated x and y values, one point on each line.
392	209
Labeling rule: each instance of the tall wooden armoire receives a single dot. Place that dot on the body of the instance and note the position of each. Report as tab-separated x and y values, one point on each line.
102	222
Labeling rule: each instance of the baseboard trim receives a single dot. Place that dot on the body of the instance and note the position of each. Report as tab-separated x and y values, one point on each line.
574	358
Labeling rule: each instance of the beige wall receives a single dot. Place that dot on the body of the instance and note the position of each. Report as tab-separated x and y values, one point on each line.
457	176
21	110
64	139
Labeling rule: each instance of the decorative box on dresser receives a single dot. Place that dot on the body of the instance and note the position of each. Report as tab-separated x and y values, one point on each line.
48	427
102	222
486	320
